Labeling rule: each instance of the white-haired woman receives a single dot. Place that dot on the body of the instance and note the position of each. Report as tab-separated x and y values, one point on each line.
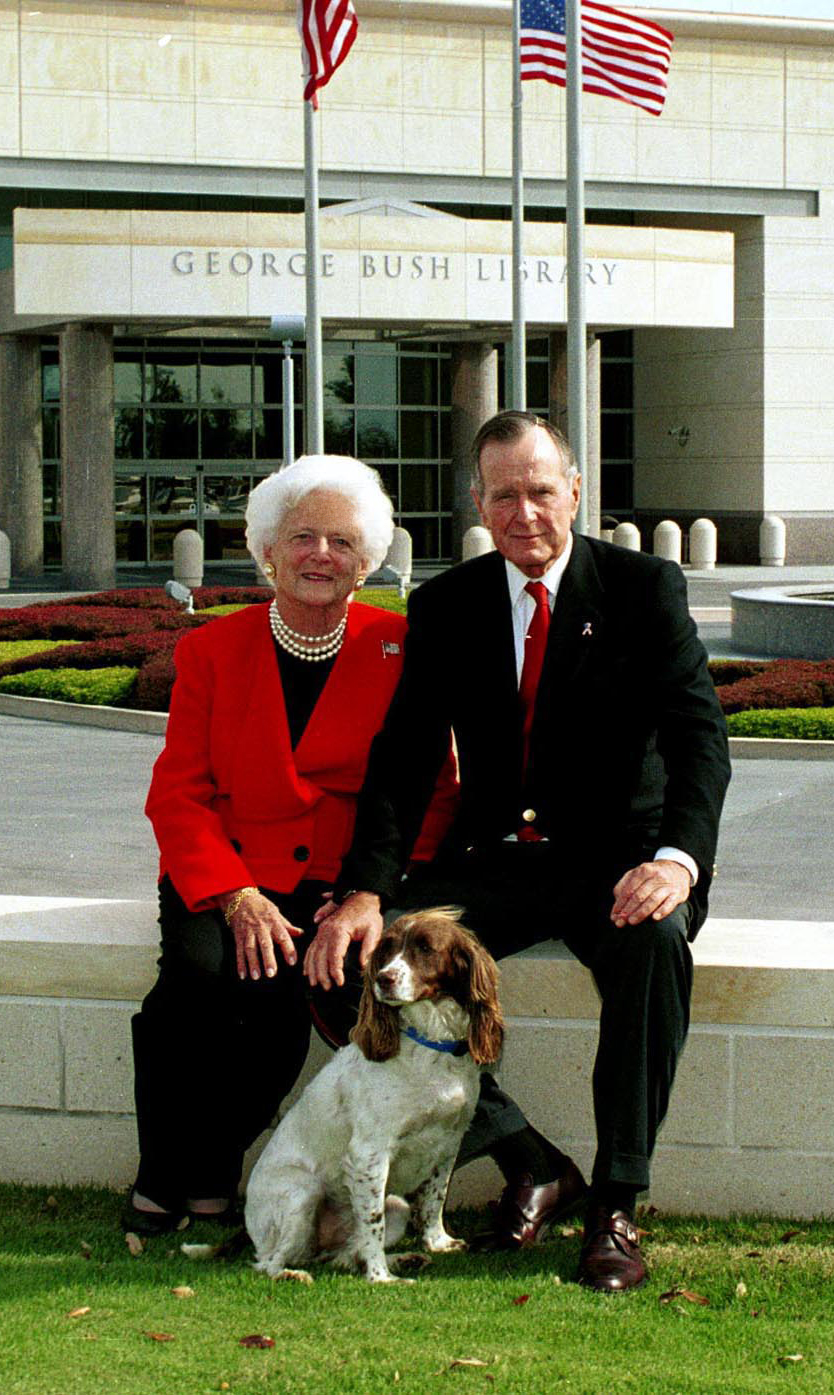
253	802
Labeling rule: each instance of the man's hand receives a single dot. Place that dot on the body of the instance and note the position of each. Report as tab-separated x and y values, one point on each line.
257	926
358	918
653	890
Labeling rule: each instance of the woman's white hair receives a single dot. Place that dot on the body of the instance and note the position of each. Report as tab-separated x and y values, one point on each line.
272	499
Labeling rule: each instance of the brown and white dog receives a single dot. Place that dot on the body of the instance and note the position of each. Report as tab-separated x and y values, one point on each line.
384	1119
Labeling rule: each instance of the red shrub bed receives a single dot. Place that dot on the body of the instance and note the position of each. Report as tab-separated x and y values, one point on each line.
782	683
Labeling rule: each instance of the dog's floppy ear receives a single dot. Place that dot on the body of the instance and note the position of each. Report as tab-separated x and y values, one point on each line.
377	1030
486	1023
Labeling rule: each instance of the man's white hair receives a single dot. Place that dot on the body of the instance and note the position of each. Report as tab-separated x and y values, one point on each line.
272	499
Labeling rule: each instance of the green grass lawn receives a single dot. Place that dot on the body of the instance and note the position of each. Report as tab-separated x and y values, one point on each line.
754	1303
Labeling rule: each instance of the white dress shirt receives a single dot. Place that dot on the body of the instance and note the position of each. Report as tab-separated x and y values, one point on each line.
523	605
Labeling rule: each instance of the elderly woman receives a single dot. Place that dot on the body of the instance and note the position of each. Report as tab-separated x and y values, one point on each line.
252	802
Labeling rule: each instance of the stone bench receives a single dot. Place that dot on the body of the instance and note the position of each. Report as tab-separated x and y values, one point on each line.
751	1125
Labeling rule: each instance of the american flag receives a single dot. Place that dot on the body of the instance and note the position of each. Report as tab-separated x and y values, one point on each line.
622	56
327	29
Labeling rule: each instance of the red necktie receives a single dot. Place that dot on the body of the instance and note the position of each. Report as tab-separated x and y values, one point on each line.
535	644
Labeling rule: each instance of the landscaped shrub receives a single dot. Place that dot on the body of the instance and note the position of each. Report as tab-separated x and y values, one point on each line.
787	723
85	622
134	650
100	686
726	671
154	682
782	683
11	649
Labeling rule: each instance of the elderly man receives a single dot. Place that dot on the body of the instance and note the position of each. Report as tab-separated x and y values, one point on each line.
593	767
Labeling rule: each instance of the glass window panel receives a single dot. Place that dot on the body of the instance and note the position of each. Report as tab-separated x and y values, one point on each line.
225	378
130	495
418	381
269	381
538	386
446	484
51	433
131	540
616	435
445	539
616	487
52	544
171	435
419	488
226	494
617	343
51	489
225	541
338	370
128	433
268	437
446	434
425	537
390	476
338	430
376	375
170	378
50	378
226	434
161	540
537	348
173	494
418	435
445	381
127	377
376	434
617	384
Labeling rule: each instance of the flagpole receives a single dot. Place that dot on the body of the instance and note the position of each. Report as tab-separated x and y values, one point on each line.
519	354
312	263
577	337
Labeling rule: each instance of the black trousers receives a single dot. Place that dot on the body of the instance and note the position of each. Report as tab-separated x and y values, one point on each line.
214	1055
511	899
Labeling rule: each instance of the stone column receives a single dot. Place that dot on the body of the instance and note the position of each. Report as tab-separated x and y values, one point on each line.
21	451
559	414
474	401
87	453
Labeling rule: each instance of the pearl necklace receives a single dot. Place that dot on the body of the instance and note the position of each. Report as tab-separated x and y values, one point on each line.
313	648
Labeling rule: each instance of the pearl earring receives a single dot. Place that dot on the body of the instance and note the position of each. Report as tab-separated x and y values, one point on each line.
268	571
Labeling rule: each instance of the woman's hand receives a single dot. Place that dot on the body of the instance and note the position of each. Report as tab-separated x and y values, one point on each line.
258	926
358	918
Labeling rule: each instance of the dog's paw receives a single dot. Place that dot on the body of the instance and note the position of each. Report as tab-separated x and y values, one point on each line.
446	1245
413	1261
293	1276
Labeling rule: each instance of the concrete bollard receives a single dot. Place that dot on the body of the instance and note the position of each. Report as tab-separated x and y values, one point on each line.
5	561
667	541
476	541
772	543
399	558
627	535
188	557
703	545
607	524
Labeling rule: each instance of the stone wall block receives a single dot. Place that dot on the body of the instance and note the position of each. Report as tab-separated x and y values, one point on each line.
30	1055
785	1091
98	1058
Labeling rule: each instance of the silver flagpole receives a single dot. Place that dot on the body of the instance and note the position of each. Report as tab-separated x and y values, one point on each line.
577	338
519	356
312	263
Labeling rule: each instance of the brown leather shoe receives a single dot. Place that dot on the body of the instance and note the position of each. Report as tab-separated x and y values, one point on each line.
525	1212
611	1261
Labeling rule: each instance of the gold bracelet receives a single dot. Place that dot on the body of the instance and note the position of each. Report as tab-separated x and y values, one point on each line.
234	904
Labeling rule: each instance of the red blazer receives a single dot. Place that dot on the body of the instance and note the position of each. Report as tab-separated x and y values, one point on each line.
231	803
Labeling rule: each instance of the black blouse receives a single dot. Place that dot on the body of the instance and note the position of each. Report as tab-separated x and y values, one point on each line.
302	682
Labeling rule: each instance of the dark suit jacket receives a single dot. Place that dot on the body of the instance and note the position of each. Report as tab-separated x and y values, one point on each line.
628	748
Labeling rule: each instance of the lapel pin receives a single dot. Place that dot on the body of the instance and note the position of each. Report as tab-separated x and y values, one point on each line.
389	648
587	630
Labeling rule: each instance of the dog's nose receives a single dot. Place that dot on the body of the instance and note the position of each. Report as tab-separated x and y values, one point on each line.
386	980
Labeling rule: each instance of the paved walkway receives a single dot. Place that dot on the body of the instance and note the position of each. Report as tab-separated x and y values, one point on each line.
71	824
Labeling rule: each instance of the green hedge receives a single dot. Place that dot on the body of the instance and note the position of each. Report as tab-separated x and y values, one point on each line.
105	687
22	648
785	723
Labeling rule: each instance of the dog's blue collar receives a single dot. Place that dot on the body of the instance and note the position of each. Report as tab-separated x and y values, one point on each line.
451	1048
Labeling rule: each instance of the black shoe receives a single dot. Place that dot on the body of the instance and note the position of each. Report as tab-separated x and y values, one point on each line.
138	1222
231	1215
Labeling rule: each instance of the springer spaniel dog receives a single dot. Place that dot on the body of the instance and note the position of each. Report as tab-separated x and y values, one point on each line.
384	1119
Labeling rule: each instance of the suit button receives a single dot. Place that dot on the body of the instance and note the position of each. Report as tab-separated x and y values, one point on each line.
301	853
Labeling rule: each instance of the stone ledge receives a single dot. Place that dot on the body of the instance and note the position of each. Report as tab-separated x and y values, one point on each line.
752	972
